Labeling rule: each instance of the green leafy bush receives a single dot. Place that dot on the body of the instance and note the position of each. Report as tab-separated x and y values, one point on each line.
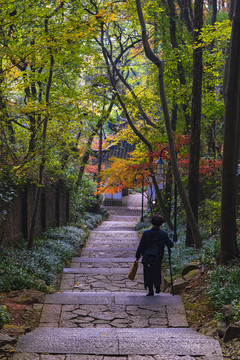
21	268
91	220
209	216
143	225
4	317
225	287
7	193
83	199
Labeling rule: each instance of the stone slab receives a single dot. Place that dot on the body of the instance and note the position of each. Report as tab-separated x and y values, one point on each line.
99	270
111	250
86	259
113	228
91	298
113	239
122	217
163	299
105	341
113	235
131	232
119	222
109	245
168	341
114	242
29	356
128	298
70	341
25	356
107	253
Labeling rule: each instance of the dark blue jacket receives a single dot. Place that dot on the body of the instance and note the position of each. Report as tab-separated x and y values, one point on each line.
151	237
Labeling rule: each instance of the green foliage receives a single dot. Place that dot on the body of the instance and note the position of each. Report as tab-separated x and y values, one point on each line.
209	213
7	194
37	268
182	255
225	287
83	199
143	225
92	220
4	317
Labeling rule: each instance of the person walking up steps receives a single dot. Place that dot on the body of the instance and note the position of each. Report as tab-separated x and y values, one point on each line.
151	248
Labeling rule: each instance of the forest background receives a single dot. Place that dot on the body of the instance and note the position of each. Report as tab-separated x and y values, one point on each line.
162	75
76	76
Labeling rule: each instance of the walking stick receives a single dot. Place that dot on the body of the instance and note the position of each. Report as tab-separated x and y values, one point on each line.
170	267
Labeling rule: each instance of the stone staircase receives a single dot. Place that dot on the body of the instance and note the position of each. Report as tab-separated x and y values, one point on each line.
99	314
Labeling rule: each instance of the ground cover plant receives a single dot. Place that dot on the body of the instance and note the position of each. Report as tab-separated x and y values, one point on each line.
225	288
4	317
22	268
38	268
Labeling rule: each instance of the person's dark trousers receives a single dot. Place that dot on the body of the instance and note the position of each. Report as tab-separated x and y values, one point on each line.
150	288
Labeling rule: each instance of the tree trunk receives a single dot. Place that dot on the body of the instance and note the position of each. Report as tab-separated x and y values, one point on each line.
85	158
100	154
229	248
152	57
180	68
193	178
137	132
44	135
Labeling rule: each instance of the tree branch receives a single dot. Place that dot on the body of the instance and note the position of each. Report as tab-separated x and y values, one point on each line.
159	63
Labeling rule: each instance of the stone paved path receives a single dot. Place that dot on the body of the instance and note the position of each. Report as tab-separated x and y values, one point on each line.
99	314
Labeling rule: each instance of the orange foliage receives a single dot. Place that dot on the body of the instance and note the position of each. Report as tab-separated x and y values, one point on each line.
130	172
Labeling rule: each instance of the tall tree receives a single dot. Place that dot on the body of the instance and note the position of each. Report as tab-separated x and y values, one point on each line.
193	179
44	129
159	63
229	248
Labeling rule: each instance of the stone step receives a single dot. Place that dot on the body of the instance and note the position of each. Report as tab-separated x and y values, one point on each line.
118	224
113	234
99	278
113	242
116	342
31	356
111	250
123	218
116	252
102	270
114	228
106	309
126	298
120	221
108	244
86	259
133	212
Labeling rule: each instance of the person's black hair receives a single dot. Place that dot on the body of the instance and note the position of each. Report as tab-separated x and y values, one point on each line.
157	220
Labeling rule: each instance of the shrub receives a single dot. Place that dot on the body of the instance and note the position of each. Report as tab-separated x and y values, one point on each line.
4	317
37	268
21	268
209	215
225	286
91	220
83	199
7	193
143	225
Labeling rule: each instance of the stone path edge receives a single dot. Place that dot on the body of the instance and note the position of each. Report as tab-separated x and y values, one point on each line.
126	298
181	341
